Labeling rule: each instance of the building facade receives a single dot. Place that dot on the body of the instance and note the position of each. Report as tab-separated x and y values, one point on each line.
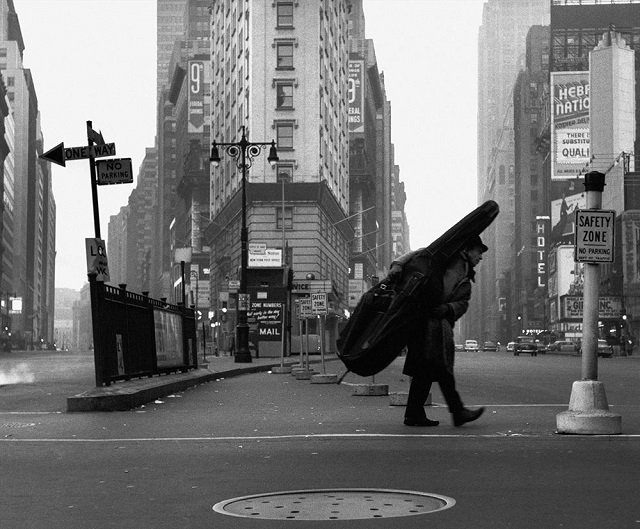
501	52
29	216
279	72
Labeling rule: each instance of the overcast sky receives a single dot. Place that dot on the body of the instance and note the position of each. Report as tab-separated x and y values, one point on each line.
96	60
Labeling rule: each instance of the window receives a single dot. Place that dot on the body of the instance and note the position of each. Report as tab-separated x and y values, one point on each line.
284	95
284	134
285	173
285	14
288	218
284	55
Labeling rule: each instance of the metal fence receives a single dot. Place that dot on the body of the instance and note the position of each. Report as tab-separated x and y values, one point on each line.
138	336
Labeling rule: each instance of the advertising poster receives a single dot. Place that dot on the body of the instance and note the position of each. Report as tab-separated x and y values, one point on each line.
356	96
569	273
631	250
570	139
563	215
168	333
268	316
609	307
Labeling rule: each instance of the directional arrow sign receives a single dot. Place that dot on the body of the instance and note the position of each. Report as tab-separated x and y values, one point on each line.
55	155
59	154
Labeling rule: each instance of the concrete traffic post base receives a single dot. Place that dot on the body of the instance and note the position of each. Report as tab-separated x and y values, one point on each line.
324	378
370	390
588	412
281	370
400	398
304	374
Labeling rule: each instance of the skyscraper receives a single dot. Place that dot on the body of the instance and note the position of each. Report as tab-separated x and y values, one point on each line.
272	75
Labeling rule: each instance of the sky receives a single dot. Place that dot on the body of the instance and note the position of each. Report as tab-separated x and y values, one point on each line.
95	60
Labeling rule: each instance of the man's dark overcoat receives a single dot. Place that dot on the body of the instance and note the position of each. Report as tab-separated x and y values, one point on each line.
431	338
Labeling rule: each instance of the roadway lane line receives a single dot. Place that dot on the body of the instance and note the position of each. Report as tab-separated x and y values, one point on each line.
316	436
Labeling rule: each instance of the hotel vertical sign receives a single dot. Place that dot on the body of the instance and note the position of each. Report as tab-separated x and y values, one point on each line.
542	235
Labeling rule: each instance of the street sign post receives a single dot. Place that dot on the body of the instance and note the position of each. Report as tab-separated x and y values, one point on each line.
116	171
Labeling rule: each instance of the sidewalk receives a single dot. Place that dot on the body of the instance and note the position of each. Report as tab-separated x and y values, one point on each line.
133	393
36	380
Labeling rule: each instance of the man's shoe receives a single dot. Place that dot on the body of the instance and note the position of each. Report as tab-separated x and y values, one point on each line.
420	422
466	415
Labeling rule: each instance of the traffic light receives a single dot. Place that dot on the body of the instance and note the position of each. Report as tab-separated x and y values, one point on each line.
223	311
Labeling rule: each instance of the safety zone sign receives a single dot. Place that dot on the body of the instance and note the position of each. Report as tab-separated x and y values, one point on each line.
594	235
319	303
97	259
303	308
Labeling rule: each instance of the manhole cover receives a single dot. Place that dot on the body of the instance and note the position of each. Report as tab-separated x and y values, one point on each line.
336	504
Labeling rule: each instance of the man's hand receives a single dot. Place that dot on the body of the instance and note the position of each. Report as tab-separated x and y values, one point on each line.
440	312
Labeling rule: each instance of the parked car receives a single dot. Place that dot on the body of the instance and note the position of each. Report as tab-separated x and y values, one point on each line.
604	349
525	344
471	345
489	346
565	346
510	347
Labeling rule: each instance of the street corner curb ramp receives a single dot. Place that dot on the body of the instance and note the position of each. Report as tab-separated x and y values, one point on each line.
130	394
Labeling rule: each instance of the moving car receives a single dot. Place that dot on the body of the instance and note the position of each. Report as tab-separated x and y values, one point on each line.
525	344
604	349
564	346
459	347
510	347
471	345
489	346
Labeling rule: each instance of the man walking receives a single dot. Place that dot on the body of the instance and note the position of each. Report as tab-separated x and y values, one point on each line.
431	347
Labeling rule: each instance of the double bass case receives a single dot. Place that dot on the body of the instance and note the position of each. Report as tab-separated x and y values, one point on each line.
376	332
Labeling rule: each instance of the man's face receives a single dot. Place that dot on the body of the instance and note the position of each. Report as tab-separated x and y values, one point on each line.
475	255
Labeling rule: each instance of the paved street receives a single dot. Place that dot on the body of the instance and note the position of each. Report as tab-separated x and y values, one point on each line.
165	465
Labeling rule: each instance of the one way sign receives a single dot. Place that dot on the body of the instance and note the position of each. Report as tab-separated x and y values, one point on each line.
61	154
97	259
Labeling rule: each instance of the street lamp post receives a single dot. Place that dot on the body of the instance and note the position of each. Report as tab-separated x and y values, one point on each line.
243	152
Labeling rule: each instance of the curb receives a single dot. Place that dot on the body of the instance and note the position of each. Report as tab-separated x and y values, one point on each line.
124	396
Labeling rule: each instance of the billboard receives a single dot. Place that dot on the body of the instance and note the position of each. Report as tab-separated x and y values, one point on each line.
563	215
356	96
609	307
570	138
196	97
565	275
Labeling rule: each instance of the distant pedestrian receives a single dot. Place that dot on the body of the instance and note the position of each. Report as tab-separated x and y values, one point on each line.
232	345
431	346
